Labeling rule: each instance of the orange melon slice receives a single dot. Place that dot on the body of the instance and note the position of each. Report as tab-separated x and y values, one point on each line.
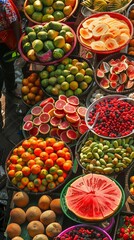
93	24
85	33
115	31
122	39
106	36
98	45
86	23
100	29
111	44
87	42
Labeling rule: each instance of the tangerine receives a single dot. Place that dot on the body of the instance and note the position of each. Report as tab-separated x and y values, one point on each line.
34	90
37	151
38	98
25	181
26	171
70	2
50	141
25	144
132	179
25	156
43	156
35	169
25	90
25	81
31	96
58	145
53	156
60	161
49	163
67	166
30	163
49	149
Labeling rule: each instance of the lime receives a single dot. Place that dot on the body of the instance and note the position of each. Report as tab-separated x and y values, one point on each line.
61	66
50	68
89	71
64	86
74	70
79	77
58	53
31	1
70	78
69	93
47	18
58	5
44	74
68	66
44	82
37	16
32	36
49	89
77	92
47	3
52	74
59	42
29	9
37	28
42	35
52	34
65	61
58	15
48	10
58	72
28	30
60	79
37	45
61	92
38	6
55	91
73	85
55	26
57	86
48	45
82	71
83	85
65	72
26	47
85	64
87	79
52	81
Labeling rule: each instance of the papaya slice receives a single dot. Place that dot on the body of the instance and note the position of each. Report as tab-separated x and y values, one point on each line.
111	44
122	39
85	33
100	29
123	78
98	45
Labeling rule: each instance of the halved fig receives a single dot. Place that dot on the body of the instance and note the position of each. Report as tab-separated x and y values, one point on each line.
120	88
122	78
129	84
100	73
104	83
113	85
104	66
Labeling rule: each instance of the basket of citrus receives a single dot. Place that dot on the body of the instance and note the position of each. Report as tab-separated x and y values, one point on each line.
38	165
47	44
41	11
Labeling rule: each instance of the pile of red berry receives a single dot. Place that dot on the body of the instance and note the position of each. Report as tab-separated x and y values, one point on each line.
116	117
83	233
126	232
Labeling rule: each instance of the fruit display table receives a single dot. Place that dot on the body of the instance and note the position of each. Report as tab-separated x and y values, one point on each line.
63	174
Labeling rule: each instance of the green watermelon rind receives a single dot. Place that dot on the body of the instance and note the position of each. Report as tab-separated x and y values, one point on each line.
72	216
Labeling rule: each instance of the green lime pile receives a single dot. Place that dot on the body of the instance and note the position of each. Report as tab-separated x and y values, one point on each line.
48	10
51	41
70	77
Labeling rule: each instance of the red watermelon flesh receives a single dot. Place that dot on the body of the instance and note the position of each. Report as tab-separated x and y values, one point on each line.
93	197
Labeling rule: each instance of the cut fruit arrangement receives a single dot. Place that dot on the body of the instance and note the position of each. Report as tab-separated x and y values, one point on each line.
44	11
47	43
105	32
116	74
39	165
72	76
37	219
92	197
63	118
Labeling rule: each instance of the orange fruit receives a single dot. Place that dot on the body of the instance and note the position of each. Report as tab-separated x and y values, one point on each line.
67	10
70	2
35	169
42	145
43	156
41	93
67	155
61	153
34	89
24	81
18	215
37	151
44	202
26	171
30	185
14	158
132	179
25	90
60	161
25	181
34	228
25	156
30	85
53	156
56	206
13	230
49	163
50	141
38	98
21	199
49	149
40	237
32	78
33	213
47	217
31	96
30	163
60	179
11	173
67	166
25	144
58	145
37	82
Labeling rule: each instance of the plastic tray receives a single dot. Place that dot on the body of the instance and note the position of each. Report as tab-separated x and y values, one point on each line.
49	62
34	202
113	15
107	59
72	216
119	222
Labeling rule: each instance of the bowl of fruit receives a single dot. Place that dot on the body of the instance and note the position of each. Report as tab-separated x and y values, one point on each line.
114	74
104	198
111	116
81	230
110	157
106	6
47	44
105	32
37	165
72	76
62	118
43	11
129	181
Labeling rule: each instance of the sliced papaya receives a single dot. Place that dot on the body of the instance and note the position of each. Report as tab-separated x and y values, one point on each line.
104	83
114	30
111	44
98	45
85	33
93	24
100	29
86	23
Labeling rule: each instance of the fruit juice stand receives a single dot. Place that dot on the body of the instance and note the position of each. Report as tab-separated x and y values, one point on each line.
72	174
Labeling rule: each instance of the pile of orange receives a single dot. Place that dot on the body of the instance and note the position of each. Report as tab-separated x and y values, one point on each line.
38	164
31	89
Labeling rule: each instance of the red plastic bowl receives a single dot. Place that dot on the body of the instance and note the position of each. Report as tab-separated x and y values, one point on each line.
49	62
113	15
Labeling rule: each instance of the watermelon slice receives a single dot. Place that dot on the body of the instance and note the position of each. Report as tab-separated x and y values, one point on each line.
28	125
36	111
93	197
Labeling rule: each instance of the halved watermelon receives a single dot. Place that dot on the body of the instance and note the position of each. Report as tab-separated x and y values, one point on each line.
93	197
